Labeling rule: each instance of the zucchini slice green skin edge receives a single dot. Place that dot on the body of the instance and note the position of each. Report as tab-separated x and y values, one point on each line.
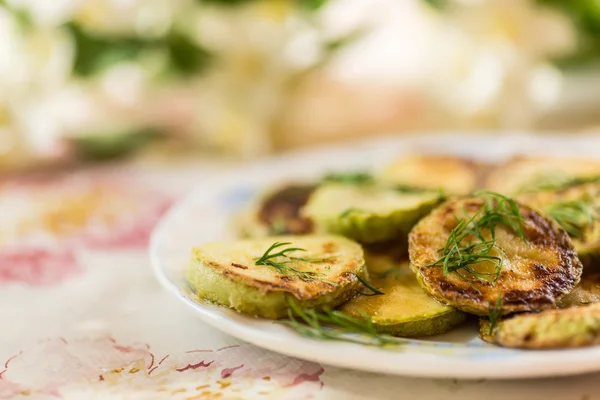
433	325
269	296
550	329
404	309
367	225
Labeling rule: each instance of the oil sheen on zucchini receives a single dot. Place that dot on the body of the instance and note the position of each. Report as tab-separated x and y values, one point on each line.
531	273
404	309
549	329
368	213
322	276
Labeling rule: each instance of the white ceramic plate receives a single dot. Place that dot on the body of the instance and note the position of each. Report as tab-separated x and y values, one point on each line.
206	216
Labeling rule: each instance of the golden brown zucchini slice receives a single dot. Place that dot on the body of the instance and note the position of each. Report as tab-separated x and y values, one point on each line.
576	208
550	329
529	174
232	273
277	213
452	174
404	309
529	264
368	213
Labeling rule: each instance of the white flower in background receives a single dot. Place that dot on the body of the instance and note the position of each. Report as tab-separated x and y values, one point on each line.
143	18
34	63
257	47
44	12
493	59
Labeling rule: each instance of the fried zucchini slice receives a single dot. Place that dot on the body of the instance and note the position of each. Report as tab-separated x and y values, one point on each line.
452	174
277	213
530	174
368	213
526	273
324	275
550	329
404	309
586	292
576	207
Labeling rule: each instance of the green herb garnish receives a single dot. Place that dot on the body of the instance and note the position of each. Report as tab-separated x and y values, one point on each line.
573	216
374	292
414	189
467	245
356	177
494	313
280	261
335	325
554	180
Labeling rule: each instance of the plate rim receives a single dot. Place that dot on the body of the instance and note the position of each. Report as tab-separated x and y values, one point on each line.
580	360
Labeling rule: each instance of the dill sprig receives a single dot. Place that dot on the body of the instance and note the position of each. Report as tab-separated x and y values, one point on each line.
280	261
351	177
335	325
374	292
467	244
574	216
495	312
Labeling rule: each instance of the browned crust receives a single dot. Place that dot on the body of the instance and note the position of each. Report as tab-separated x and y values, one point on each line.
550	329
545	287
282	207
293	285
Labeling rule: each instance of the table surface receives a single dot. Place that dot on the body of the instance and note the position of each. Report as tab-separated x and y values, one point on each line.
83	317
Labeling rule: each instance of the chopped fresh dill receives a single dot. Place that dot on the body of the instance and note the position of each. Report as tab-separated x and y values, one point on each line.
352	177
553	180
374	292
574	216
566	182
467	244
335	325
280	261
416	189
495	312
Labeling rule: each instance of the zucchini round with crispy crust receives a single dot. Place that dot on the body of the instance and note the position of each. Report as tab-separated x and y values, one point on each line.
368	213
474	252
576	207
277	213
550	329
404	309
260	277
531	174
452	174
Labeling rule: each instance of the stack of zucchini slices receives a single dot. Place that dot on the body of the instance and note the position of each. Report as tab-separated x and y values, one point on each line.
415	249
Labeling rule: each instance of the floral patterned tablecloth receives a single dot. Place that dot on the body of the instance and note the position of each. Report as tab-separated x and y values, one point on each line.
82	317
